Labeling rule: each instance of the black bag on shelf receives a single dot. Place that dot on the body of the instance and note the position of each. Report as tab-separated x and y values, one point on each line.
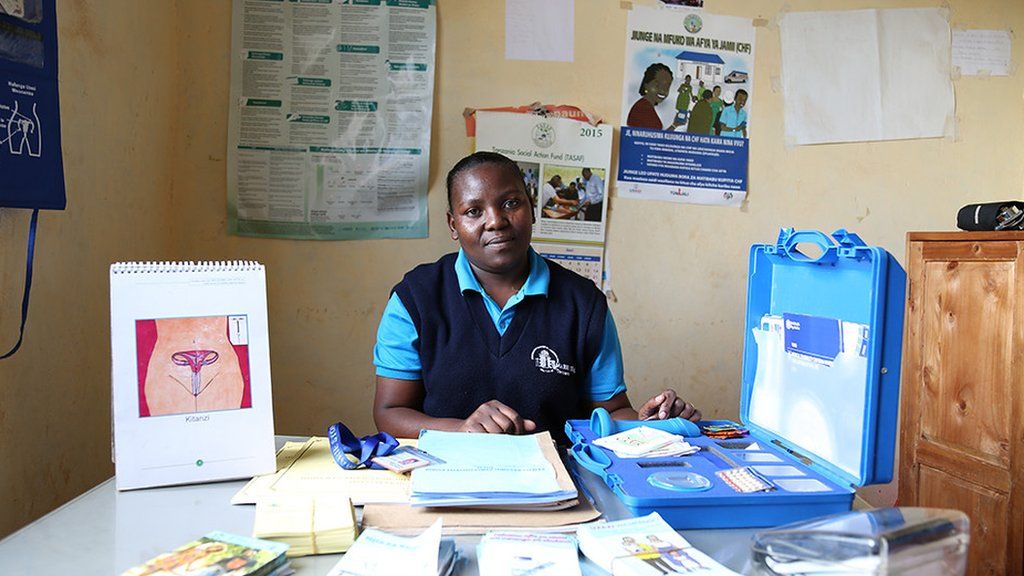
1007	215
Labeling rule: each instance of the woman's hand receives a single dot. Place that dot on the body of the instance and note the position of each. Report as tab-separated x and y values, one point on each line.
668	405
493	417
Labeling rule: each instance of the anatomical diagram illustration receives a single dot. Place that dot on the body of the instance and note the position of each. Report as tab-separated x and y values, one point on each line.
22	135
189	365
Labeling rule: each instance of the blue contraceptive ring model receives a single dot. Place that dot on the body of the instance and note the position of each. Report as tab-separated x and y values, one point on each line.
602	424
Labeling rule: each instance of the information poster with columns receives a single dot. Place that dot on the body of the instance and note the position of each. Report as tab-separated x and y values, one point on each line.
329	128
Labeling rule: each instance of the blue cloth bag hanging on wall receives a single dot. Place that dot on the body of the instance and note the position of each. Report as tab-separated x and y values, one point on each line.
30	150
31	165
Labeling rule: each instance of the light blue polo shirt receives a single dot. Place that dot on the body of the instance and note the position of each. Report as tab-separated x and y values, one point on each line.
396	354
730	117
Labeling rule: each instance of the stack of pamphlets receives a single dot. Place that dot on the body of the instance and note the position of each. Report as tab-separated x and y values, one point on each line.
518	553
320	524
644	546
378	553
222	554
309	468
492	470
724	431
646	442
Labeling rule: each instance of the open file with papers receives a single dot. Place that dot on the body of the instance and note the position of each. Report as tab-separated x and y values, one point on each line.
492	470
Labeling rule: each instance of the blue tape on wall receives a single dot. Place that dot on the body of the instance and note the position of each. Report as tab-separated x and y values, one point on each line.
28	283
31	167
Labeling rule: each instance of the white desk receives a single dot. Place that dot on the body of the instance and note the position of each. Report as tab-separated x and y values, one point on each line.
104	532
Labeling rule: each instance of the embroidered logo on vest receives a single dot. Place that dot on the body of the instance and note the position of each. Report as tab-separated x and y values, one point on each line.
546	361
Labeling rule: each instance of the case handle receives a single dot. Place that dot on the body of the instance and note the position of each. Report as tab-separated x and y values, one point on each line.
591	458
789	239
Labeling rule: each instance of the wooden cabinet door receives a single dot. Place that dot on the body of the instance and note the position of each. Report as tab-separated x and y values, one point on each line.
961	398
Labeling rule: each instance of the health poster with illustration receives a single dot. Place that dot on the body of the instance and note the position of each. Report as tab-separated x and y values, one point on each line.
329	122
565	166
686	112
190	366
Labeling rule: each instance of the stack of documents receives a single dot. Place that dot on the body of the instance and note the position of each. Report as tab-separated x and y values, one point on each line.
320	524
646	442
490	470
645	545
404	519
518	553
305	468
378	553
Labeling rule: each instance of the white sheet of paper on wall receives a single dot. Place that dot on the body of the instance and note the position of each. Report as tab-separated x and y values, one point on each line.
864	75
982	52
539	30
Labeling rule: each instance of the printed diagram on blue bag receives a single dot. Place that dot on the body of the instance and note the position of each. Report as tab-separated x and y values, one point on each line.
20	131
30	151
19	128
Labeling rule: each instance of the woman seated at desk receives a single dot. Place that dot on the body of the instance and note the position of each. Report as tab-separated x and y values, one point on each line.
495	338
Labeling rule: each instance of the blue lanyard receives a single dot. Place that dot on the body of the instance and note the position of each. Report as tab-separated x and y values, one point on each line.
343	442
28	281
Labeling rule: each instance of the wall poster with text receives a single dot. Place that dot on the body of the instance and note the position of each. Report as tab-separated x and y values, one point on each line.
686	116
329	128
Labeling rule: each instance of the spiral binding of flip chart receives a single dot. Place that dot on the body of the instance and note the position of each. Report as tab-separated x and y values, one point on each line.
159	267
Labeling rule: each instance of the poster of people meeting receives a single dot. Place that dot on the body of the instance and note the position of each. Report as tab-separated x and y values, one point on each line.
686	107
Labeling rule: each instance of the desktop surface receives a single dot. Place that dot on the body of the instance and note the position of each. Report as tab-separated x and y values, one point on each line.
105	532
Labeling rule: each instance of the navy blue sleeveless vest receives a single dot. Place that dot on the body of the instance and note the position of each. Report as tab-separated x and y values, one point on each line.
537	367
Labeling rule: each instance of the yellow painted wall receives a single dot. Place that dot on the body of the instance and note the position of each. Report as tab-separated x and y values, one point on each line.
145	144
118	77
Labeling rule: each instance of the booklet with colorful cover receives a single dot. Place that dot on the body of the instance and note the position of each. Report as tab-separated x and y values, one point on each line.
220	554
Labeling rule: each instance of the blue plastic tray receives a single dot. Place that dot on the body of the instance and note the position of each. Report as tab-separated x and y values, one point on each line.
719	506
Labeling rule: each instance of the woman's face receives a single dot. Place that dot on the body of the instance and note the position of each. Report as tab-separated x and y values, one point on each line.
657	89
491	217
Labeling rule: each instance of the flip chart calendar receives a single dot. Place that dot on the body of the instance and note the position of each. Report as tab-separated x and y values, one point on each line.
191	372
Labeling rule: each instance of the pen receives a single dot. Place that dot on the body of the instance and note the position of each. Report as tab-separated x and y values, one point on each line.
803	459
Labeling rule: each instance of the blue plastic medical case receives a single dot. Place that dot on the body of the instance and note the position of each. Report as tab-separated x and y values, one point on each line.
820	392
